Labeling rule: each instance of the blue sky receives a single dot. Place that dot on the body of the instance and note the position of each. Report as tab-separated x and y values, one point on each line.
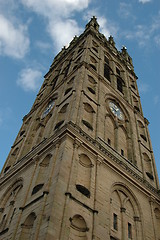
33	31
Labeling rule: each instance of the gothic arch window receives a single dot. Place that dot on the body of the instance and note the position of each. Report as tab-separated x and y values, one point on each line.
157	221
142	132
136	104
84	175
8	204
88	116
125	214
28	227
68	90
61	116
95	46
133	84
147	166
71	81
91	84
12	158
93	63
64	108
107	69
78	228
120	81
42	174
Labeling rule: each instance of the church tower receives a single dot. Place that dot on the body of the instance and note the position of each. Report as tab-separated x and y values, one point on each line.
82	165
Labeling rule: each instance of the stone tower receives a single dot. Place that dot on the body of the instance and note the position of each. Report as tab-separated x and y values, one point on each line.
82	165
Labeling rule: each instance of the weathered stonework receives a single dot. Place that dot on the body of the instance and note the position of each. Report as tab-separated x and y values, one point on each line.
82	165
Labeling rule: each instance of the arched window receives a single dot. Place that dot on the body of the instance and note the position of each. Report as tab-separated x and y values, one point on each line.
78	228
157	218
27	227
88	116
125	215
147	166
8	204
136	104
91	85
120	84
61	116
142	132
42	174
106	68
84	175
93	63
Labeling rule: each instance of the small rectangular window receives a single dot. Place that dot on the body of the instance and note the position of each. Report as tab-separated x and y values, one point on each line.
129	231
115	221
118	71
106	60
107	72
109	141
122	152
120	85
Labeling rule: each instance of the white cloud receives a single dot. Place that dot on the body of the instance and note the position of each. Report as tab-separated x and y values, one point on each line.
13	39
30	79
144	1
61	26
52	8
63	31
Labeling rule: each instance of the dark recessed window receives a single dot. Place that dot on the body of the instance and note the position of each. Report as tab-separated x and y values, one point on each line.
118	71
137	108
59	124
94	67
120	85
91	90
150	175
133	86
115	221
37	188
87	124
6	169
109	141
129	231
83	190
144	137
107	72
95	49
122	152
106	60
67	91
22	132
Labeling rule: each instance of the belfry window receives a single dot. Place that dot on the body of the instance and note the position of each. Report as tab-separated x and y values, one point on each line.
120	84
106	68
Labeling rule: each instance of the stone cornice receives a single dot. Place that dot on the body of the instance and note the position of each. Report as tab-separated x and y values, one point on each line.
110	157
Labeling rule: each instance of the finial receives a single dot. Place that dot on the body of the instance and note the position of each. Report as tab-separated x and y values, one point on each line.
111	41
124	50
93	23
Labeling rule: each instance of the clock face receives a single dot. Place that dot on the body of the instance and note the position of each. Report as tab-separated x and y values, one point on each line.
116	110
48	109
